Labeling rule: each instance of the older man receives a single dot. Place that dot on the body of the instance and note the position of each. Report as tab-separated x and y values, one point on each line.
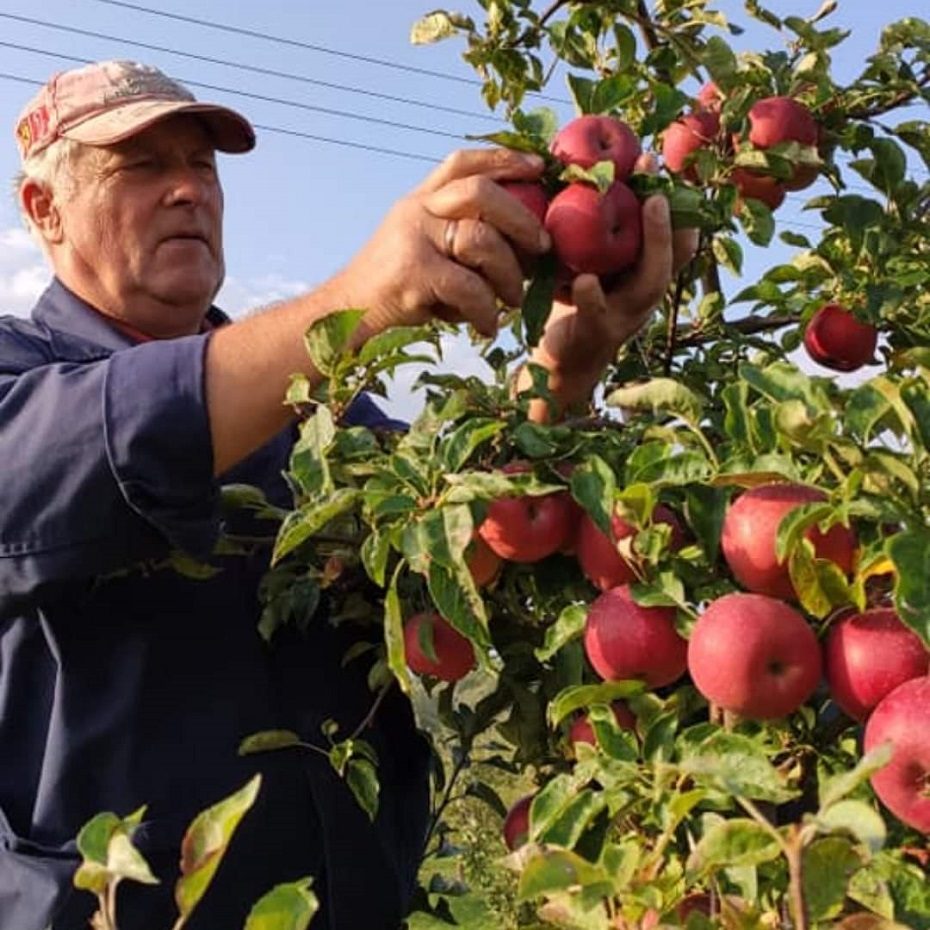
125	402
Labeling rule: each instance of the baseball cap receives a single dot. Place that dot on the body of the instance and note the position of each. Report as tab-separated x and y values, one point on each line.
109	101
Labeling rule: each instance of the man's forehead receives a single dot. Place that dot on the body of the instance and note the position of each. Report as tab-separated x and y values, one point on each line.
182	131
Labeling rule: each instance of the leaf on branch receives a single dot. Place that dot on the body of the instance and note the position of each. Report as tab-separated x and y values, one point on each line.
205	843
289	906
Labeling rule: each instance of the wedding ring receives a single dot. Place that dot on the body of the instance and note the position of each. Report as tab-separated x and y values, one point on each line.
448	238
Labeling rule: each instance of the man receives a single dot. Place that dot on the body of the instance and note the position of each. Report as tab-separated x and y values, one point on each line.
125	402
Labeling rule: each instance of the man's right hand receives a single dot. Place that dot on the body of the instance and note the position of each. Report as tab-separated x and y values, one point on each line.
448	249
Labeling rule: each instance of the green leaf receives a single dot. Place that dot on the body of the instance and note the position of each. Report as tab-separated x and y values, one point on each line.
328	339
564	823
205	843
720	61
125	861
736	765
310	518
568	626
593	486
734	842
728	253
660	395
267	741
827	866
910	553
375	552
844	783
548	870
857	818
459	446
538	297
289	906
94	837
757	220
578	696
394	633
362	778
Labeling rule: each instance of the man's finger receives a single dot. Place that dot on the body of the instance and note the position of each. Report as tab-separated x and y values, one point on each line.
478	197
654	271
497	163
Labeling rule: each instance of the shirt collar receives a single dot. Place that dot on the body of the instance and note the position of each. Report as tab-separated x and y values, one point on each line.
80	332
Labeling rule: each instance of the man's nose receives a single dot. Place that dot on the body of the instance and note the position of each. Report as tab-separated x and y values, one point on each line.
187	184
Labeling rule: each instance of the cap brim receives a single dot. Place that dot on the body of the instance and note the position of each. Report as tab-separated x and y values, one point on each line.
230	131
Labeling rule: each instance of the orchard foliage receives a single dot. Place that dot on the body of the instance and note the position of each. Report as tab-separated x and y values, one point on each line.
773	822
696	816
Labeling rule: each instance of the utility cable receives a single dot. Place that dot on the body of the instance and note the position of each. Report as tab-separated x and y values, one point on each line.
345	114
255	69
282	40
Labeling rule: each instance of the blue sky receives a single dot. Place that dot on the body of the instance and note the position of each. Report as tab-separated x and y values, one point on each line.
297	209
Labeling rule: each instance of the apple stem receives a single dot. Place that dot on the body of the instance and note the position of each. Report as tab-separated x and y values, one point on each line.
671	331
793	853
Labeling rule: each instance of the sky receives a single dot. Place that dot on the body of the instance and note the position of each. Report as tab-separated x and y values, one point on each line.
298	208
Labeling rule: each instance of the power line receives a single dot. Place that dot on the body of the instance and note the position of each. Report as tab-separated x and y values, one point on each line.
252	68
345	114
322	49
281	130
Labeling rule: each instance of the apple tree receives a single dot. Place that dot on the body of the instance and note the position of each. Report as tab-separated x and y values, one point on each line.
686	628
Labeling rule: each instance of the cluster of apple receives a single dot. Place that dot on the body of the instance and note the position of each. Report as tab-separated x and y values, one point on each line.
750	652
773	121
592	232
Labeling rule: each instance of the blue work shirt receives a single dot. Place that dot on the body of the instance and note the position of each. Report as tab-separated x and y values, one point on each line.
121	687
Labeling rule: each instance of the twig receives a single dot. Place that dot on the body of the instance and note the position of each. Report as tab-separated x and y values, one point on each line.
370	716
671	332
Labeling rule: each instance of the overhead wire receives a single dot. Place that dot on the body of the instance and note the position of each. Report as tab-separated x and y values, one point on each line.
329	111
296	43
254	69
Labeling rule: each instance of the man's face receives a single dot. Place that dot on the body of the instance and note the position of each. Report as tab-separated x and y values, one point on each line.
143	224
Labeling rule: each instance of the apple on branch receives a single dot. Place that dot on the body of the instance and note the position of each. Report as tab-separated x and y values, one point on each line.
868	655
453	655
527	528
593	232
581	730
754	656
587	140
597	553
902	718
517	823
750	529
688	135
835	339
624	640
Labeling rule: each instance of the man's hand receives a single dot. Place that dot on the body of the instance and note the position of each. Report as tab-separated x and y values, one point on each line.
585	331
448	250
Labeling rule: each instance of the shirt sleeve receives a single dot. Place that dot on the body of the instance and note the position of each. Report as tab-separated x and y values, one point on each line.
104	463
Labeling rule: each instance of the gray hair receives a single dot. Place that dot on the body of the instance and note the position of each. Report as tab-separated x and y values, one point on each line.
53	168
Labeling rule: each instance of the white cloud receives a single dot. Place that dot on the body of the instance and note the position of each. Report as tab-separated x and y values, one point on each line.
23	272
240	295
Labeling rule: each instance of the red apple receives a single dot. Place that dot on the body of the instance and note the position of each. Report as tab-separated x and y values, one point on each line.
594	233
517	823
710	97
455	657
597	553
868	655
774	120
483	562
836	339
531	194
750	528
754	655
903	785
581	730
624	640
587	140
755	186
527	528
685	137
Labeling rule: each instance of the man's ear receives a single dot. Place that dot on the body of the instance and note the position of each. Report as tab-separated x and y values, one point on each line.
38	203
